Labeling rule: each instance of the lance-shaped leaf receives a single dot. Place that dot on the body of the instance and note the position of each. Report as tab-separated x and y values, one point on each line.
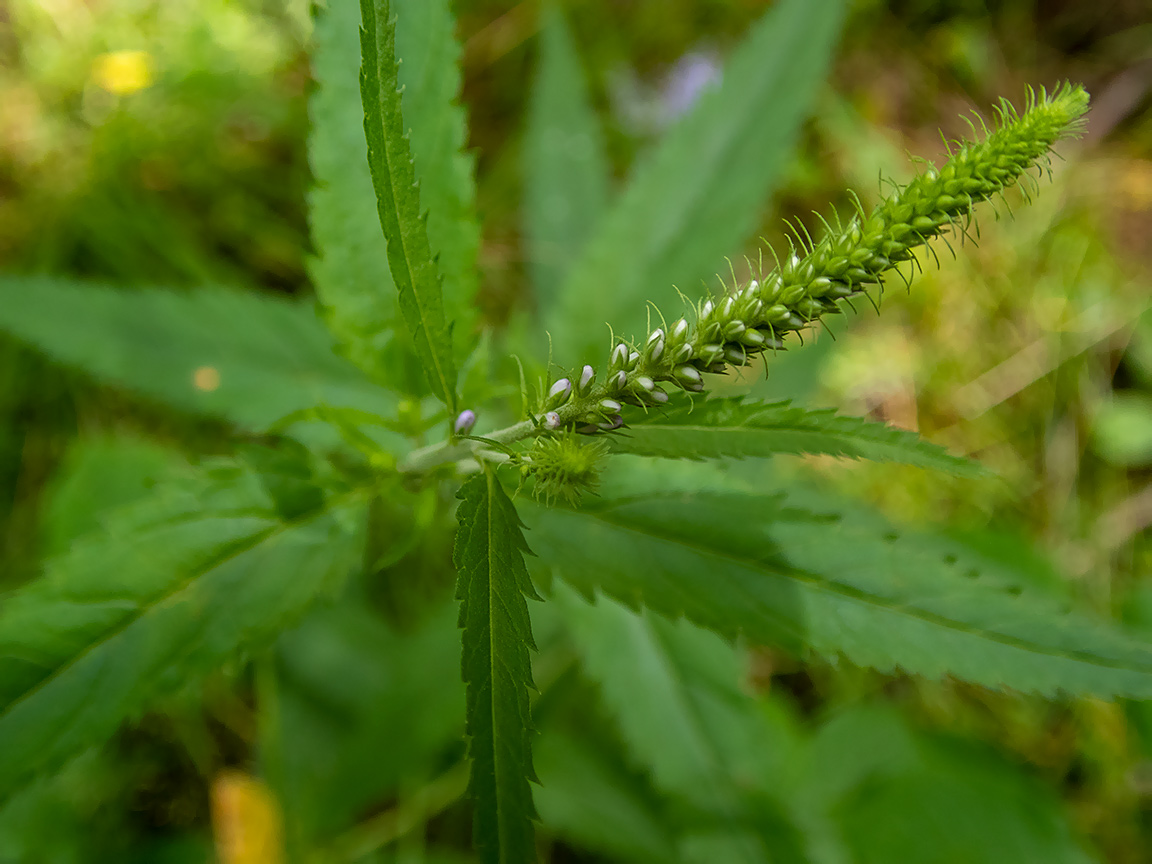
429	76
720	428
565	168
837	580
240	356
174	587
493	583
701	193
350	268
398	201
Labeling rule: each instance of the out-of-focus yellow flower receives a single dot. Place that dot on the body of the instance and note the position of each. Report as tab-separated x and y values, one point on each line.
1136	185
123	72
245	821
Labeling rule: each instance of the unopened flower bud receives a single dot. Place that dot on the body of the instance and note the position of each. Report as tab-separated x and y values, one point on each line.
552	420
610	406
465	420
619	358
587	376
558	394
735	355
733	329
752	339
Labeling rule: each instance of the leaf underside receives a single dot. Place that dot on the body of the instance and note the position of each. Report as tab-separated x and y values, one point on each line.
414	271
173	588
734	427
807	574
492	585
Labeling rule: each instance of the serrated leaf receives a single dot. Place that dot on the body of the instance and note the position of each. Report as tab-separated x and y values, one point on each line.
701	193
674	690
565	169
350	269
243	357
734	427
175	586
405	226
430	78
492	585
809	574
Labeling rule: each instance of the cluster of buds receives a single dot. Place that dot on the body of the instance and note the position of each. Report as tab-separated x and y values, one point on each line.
759	316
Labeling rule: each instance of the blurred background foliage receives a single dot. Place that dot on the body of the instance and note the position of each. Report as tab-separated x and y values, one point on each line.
162	142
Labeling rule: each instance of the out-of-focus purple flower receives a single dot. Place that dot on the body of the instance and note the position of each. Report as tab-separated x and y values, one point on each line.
691	76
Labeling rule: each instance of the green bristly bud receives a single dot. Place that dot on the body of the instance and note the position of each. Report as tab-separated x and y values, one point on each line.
759	315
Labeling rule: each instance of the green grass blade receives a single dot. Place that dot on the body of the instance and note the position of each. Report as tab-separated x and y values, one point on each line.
243	357
737	428
701	193
176	586
430	79
807	574
493	583
565	168
398	201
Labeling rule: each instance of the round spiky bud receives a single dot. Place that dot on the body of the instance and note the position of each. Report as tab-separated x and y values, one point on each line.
565	467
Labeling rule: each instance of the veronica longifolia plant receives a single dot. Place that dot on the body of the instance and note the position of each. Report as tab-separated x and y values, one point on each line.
341	478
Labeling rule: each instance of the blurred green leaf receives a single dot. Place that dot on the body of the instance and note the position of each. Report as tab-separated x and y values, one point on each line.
739	428
949	803
493	583
243	357
699	195
566	172
429	75
810	574
1123	429
362	711
350	268
96	477
394	177
587	796
174	586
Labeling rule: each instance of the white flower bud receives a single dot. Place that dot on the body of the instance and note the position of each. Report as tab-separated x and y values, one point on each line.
558	394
